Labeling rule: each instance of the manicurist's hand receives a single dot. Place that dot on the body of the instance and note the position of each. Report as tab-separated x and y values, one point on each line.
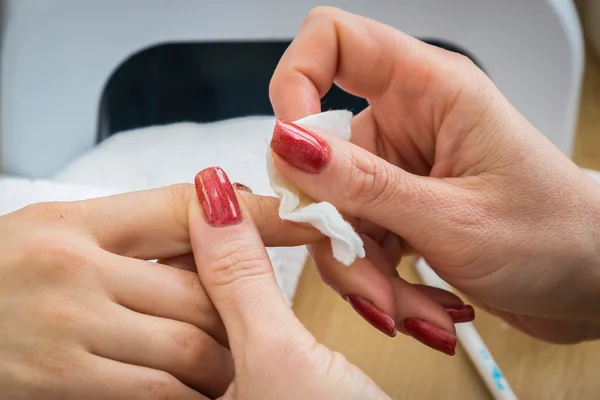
274	356
83	315
439	162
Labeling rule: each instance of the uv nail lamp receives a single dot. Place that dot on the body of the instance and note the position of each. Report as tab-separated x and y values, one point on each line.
58	57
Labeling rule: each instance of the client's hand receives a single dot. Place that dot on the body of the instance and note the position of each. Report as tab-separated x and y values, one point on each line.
442	162
84	316
274	356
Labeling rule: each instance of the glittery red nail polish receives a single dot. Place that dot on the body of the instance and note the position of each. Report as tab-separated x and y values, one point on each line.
217	197
430	335
464	313
373	315
242	187
300	148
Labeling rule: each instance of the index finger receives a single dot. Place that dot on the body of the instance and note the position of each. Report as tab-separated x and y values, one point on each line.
152	224
358	53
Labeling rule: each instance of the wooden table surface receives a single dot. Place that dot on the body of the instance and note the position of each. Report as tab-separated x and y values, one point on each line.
406	369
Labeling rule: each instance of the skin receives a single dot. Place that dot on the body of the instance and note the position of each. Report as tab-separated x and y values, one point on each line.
83	315
440	162
275	357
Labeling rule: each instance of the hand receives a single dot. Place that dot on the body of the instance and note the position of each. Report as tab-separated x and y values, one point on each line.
275	357
83	315
442	163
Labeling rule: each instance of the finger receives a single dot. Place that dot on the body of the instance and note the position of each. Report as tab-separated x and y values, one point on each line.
452	304
334	45
234	266
410	303
185	262
363	185
421	318
153	223
368	228
440	296
386	259
162	291
417	315
180	349
109	379
393	246
366	288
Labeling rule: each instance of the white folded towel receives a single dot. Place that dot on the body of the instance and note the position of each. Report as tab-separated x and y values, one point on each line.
16	193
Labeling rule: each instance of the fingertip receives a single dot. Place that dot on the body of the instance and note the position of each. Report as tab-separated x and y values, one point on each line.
362	285
373	314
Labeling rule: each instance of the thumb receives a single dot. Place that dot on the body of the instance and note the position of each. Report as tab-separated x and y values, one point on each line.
361	184
233	264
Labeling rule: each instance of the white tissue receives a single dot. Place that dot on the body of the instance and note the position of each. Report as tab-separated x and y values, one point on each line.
296	206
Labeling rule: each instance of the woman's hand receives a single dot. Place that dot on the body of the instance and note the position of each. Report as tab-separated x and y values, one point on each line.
84	316
274	356
440	162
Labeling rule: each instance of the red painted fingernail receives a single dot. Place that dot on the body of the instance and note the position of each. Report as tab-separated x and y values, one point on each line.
372	314
217	197
430	335
300	148
464	313
242	187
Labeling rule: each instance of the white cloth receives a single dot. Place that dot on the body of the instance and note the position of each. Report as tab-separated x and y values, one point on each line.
296	206
163	155
16	193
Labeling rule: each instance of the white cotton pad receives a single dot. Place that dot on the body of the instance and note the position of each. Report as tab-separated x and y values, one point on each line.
296	206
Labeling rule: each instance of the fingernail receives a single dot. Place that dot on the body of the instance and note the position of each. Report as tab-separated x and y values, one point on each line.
373	315
464	313
430	335
217	197
242	187
300	148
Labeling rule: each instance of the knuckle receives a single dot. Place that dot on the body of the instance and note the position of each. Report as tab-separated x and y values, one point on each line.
178	197
179	193
238	260
263	206
304	357
367	180
160	386
193	346
56	363
57	250
199	303
68	311
335	363
55	256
